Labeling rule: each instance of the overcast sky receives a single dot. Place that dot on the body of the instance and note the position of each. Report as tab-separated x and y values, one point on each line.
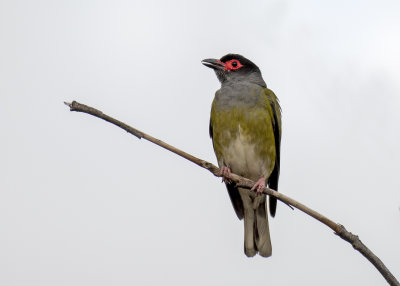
84	203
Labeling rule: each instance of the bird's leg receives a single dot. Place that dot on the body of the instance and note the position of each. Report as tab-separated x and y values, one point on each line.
259	186
226	174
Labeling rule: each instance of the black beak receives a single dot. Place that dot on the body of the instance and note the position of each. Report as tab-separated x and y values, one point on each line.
214	64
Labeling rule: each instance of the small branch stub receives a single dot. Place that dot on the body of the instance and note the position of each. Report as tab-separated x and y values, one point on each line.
357	244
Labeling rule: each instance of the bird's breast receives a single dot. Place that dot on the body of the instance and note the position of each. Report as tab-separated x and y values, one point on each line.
243	140
243	156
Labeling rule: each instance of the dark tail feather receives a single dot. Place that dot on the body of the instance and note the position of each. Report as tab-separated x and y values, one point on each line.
272	206
273	184
235	199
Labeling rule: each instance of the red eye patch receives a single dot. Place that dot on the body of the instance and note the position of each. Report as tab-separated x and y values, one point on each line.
233	65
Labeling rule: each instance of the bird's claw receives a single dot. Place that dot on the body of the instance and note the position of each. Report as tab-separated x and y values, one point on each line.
226	174
259	186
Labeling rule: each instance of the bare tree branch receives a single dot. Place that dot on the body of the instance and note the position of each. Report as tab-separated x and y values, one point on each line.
246	183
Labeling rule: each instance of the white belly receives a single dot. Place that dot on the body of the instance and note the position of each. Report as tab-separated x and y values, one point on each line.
240	156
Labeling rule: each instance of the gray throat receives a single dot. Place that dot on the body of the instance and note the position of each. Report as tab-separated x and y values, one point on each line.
254	78
235	93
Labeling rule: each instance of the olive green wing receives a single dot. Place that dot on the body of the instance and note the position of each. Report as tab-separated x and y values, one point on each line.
273	179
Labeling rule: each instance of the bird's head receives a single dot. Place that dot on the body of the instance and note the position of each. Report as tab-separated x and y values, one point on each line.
234	67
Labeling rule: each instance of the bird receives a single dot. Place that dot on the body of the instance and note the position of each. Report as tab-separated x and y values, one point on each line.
245	128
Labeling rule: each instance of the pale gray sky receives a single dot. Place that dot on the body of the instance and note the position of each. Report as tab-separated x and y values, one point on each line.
84	203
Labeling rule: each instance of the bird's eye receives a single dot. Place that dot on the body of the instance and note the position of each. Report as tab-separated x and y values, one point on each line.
233	65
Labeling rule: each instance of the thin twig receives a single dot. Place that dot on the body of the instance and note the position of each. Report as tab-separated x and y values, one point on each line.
246	183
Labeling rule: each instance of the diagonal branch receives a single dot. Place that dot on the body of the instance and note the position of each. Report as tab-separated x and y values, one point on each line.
246	183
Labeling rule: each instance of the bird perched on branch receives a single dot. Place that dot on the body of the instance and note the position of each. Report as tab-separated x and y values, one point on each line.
245	128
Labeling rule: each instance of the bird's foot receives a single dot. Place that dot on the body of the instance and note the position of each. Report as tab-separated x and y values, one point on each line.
226	174
259	186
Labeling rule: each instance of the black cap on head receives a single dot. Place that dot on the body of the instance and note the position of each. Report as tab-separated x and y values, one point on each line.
247	65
